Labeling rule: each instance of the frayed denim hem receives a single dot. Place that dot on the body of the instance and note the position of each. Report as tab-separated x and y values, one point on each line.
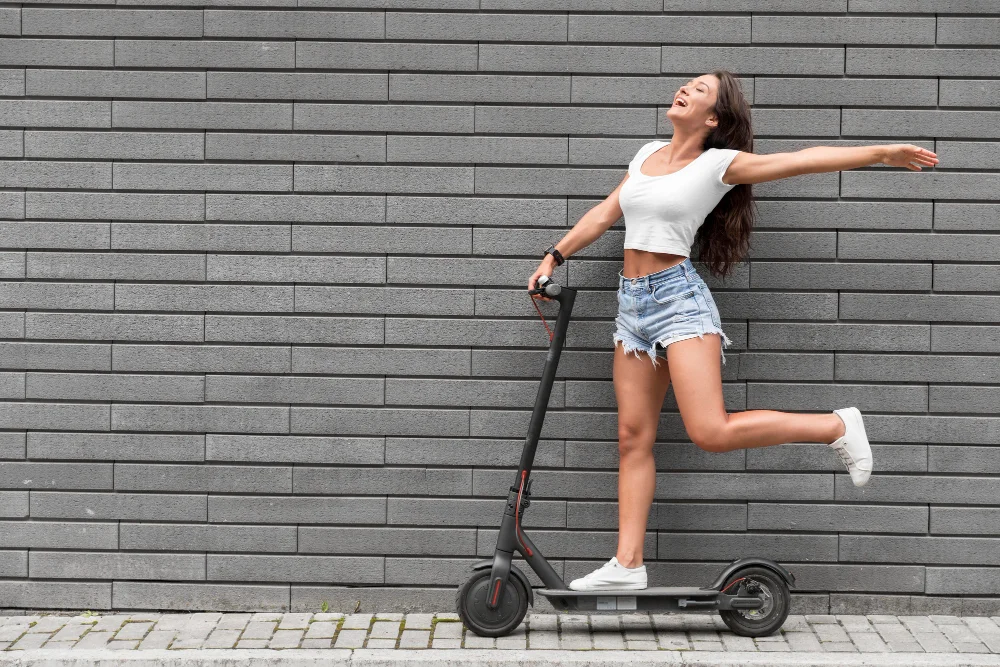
628	346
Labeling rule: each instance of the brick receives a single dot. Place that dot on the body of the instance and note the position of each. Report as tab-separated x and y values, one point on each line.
161	536
299	86
111	22
56	113
334	569
132	53
202	115
114	145
116	446
249	509
296	24
57	52
115	327
188	418
49	475
122	506
221	597
58	535
51	174
295	329
202	478
116	205
82	565
294	449
203	176
113	83
147	236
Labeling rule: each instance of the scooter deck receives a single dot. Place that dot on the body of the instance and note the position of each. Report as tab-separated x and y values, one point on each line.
661	591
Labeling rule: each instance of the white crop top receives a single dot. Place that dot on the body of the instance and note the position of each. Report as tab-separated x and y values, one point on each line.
663	213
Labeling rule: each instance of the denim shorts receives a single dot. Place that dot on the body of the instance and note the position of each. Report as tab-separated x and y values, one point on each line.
664	307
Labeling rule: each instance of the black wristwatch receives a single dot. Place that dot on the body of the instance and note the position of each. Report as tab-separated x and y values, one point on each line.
551	250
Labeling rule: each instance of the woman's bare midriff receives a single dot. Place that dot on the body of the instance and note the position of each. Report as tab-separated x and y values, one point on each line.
642	262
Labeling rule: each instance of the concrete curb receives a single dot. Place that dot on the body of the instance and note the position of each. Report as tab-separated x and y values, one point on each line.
473	658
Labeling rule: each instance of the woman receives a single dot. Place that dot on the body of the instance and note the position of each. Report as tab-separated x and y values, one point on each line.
694	191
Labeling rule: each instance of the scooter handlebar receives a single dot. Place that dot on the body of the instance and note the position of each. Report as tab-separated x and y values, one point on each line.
546	286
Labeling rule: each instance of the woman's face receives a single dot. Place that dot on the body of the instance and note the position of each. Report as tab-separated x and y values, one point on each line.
694	101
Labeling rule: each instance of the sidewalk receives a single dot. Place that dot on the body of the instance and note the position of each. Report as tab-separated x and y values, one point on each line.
439	639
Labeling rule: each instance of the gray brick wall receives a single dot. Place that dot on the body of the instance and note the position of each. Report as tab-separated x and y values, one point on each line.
264	340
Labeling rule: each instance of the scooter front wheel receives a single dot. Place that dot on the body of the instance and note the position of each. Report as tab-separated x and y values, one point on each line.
471	603
767	586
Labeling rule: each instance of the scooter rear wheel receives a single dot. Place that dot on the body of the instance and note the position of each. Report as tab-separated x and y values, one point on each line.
471	603
766	585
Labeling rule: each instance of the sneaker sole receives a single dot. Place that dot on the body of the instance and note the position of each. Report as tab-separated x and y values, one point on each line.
859	423
620	587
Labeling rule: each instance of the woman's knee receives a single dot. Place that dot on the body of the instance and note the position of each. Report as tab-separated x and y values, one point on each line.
713	440
634	439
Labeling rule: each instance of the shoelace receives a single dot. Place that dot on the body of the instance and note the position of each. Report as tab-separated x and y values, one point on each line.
845	457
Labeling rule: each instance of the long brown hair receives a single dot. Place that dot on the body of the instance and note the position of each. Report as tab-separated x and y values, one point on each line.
724	238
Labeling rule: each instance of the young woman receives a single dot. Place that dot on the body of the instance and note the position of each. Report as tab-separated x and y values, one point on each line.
694	191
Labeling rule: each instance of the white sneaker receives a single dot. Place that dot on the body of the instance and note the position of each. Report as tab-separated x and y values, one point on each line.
612	575
853	446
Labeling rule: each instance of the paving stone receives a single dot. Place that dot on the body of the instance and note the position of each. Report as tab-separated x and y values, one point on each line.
738	643
387	616
707	646
986	631
884	619
516	640
815	619
542	622
94	639
415	638
286	638
830	633
868	642
133	631
447	616
351	638
381	643
542	638
294	621
12	632
803	641
609	640
447	630
157	639
51	645
172	622
260	629
574	635
357	621
472	640
971	647
419	621
233	622
222	639
49	624
840	647
774	647
321	629
252	643
264	616
116	645
111	623
958	633
316	643
328	616
446	643
29	641
71	632
641	645
934	642
855	623
384	630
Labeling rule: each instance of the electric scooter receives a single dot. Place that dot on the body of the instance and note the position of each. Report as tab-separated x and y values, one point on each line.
750	594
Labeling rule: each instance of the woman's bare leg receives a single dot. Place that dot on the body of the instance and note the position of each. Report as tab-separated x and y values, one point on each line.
695	370
640	391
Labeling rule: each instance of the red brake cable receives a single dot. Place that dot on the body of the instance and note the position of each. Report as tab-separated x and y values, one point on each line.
535	304
517	518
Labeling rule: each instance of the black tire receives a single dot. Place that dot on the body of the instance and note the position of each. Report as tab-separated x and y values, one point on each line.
471	604
763	583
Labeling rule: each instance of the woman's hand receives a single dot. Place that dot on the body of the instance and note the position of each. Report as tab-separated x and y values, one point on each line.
902	155
545	268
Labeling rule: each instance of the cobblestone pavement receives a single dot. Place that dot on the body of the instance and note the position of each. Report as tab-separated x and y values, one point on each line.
630	632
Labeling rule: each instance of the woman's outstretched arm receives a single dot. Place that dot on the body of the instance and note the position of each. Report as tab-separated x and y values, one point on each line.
754	168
